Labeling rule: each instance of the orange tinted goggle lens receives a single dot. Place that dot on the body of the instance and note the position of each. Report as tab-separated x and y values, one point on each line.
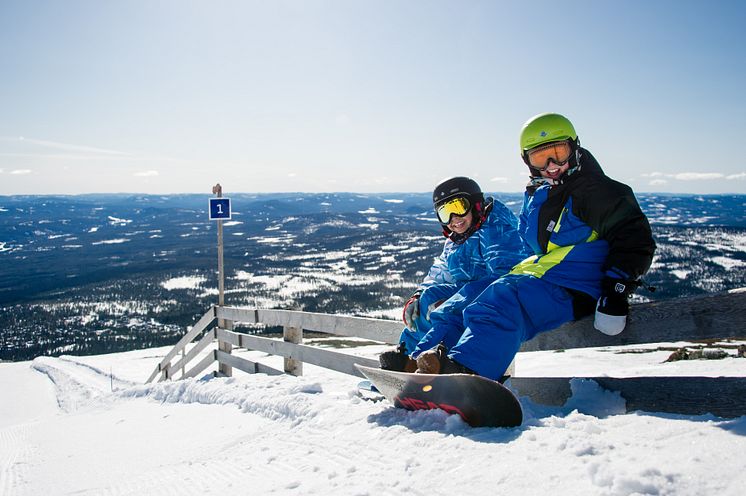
559	153
456	206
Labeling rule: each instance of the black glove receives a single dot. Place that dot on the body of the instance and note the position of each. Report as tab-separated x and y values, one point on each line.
613	305
397	359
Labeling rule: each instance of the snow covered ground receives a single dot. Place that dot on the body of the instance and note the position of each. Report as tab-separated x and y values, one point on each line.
88	425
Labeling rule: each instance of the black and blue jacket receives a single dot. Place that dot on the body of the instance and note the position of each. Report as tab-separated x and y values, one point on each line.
583	228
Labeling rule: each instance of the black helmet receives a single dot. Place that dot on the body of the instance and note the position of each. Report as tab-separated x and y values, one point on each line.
455	187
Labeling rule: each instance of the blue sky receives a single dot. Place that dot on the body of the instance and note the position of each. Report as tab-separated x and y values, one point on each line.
374	96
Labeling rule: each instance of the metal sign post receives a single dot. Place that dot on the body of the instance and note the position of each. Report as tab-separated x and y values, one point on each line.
220	209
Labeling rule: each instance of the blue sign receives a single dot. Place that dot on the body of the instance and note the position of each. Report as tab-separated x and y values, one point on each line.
220	208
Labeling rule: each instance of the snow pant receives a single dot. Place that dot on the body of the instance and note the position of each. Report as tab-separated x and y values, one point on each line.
447	320
432	297
511	310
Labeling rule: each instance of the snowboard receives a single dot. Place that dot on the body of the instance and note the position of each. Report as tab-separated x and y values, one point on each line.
481	402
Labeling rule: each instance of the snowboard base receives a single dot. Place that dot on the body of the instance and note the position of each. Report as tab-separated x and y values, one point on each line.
479	401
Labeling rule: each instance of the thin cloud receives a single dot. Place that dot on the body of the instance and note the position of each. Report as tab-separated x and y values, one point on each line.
149	173
70	156
55	150
698	176
20	172
64	146
498	179
691	176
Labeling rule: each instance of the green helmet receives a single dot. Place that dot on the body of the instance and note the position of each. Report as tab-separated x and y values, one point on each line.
544	128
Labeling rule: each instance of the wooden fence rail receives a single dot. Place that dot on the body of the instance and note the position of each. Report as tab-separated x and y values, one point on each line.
704	318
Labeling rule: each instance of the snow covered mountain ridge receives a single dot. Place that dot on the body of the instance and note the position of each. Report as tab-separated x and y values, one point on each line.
100	273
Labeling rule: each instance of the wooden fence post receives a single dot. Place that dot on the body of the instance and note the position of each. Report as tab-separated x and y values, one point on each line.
224	369
293	335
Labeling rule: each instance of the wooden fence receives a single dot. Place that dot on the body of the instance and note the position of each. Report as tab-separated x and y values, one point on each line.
697	319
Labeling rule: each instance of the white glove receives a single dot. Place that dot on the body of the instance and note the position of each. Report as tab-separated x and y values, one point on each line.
612	307
611	325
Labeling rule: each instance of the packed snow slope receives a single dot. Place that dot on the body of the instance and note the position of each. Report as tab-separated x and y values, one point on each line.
88	425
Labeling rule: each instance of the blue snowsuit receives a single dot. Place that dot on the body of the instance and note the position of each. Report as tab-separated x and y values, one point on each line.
454	279
579	230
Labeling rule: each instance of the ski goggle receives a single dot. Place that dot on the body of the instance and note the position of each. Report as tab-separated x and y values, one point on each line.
456	206
558	152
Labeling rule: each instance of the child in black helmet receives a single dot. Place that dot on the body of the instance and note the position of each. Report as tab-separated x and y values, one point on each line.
482	243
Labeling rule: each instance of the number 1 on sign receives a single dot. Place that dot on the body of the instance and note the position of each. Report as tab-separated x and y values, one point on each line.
220	209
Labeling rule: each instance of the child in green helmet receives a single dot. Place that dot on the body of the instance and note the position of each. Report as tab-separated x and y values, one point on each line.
591	244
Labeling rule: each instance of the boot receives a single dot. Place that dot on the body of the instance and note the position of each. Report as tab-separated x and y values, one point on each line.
450	366
428	362
436	361
397	359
